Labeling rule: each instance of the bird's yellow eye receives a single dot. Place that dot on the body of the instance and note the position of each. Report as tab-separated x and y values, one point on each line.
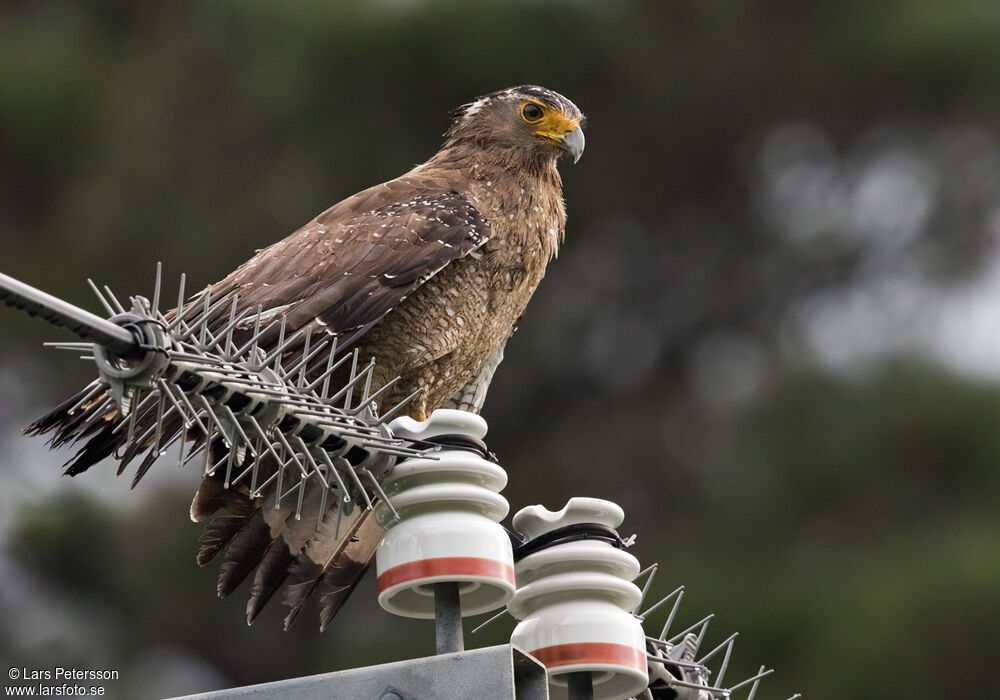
531	112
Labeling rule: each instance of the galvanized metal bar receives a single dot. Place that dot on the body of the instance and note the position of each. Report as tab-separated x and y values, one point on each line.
80	322
497	673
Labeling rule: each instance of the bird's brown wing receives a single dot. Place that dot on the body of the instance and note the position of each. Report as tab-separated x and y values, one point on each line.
357	261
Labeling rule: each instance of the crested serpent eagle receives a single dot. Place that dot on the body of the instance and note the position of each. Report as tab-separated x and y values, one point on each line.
426	274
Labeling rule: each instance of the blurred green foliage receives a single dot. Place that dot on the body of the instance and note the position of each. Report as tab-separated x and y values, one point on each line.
844	520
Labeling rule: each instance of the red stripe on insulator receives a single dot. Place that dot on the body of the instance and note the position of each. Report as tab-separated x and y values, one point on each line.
445	566
591	653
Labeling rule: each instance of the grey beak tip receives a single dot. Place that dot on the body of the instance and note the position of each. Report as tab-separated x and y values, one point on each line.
573	144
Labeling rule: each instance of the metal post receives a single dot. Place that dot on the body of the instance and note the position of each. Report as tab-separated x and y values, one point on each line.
580	686
448	618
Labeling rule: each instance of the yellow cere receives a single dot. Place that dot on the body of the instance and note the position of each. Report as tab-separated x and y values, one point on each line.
553	124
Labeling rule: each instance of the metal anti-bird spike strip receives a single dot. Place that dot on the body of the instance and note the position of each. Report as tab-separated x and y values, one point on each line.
196	346
677	655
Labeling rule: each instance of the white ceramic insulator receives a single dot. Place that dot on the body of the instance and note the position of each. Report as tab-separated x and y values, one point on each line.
575	601
448	529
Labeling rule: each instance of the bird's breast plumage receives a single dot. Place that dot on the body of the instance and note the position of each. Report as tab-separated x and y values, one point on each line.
441	335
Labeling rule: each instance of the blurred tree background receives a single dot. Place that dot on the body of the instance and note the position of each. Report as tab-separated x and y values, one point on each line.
773	334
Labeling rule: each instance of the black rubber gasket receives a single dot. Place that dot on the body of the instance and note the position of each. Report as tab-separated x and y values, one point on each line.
455	442
569	533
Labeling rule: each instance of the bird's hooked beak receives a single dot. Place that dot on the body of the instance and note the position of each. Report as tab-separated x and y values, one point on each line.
573	143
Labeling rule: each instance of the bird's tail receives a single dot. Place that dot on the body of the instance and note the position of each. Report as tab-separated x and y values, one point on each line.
89	415
325	549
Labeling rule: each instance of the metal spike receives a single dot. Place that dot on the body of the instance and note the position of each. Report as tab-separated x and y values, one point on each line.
387	448
208	469
254	448
301	365
492	619
248	349
180	452
384	418
99	387
192	412
316	471
215	419
165	391
305	354
180	293
156	288
298	504
336	475
680	663
296	486
227	346
700	638
662	601
673	612
371	399
331	367
753	679
234	450
357	482
677	637
278	351
204	316
350	385
266	441
650	572
381	494
100	297
114	300
340	520
196	449
283	345
368	385
280	474
212	468
725	663
231	325
714	690
162	449
281	340
159	423
236	424
186	309
255	467
284	443
223	339
205	340
728	641
322	508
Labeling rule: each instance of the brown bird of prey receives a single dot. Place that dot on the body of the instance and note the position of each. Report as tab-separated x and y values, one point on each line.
428	275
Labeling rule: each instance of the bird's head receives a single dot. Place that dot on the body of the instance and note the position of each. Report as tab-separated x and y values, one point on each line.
527	123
